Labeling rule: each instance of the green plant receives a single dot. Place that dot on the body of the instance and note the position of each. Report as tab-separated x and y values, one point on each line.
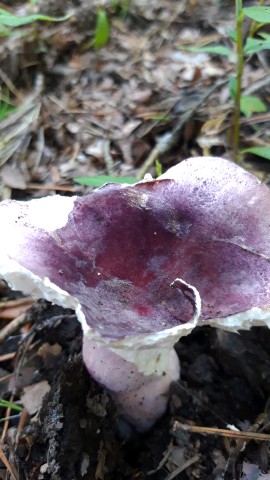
247	104
9	20
103	26
100	180
244	48
263	152
5	107
122	6
11	405
158	168
102	30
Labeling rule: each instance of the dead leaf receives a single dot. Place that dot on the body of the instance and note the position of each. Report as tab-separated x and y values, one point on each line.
47	349
33	395
252	472
13	177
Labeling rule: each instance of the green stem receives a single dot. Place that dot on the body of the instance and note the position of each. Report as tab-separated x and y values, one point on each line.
239	73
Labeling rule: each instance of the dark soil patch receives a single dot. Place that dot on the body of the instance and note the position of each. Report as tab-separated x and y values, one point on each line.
225	379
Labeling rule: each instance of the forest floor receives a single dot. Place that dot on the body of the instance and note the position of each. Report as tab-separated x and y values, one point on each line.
71	110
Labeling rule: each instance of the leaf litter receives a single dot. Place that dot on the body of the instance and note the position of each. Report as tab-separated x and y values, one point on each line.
81	111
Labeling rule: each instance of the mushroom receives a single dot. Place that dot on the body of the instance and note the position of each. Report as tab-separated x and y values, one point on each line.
142	265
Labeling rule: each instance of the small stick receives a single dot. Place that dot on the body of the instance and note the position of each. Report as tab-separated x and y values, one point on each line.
11	327
183	467
10	85
6	377
6	423
172	139
263	437
17	303
163	461
5	461
107	157
60	188
7	356
152	157
23	419
261	83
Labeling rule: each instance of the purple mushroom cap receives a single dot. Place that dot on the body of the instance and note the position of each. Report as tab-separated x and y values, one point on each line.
123	246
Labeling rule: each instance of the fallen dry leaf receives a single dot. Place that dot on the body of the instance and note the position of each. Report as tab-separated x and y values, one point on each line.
33	395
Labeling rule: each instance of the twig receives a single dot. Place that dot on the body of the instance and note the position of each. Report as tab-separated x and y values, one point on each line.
107	157
6	377
5	461
23	419
60	188
183	467
260	118
173	138
17	303
7	356
152	157
163	461
13	326
263	82
263	437
6	422
40	146
10	85
254	119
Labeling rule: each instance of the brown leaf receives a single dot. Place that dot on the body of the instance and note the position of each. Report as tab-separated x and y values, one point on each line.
33	395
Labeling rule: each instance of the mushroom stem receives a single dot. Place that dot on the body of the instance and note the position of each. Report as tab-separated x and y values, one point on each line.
141	371
140	398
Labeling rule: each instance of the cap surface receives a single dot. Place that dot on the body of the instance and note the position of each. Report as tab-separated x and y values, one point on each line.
205	221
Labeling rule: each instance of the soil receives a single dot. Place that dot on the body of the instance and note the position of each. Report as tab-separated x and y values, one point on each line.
89	111
225	380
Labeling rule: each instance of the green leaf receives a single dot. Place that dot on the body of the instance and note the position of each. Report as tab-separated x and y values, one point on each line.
259	14
5	107
9	20
100	180
122	5
254	45
5	110
214	49
158	168
263	152
102	32
4	31
13	406
264	35
250	104
232	87
231	32
161	118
